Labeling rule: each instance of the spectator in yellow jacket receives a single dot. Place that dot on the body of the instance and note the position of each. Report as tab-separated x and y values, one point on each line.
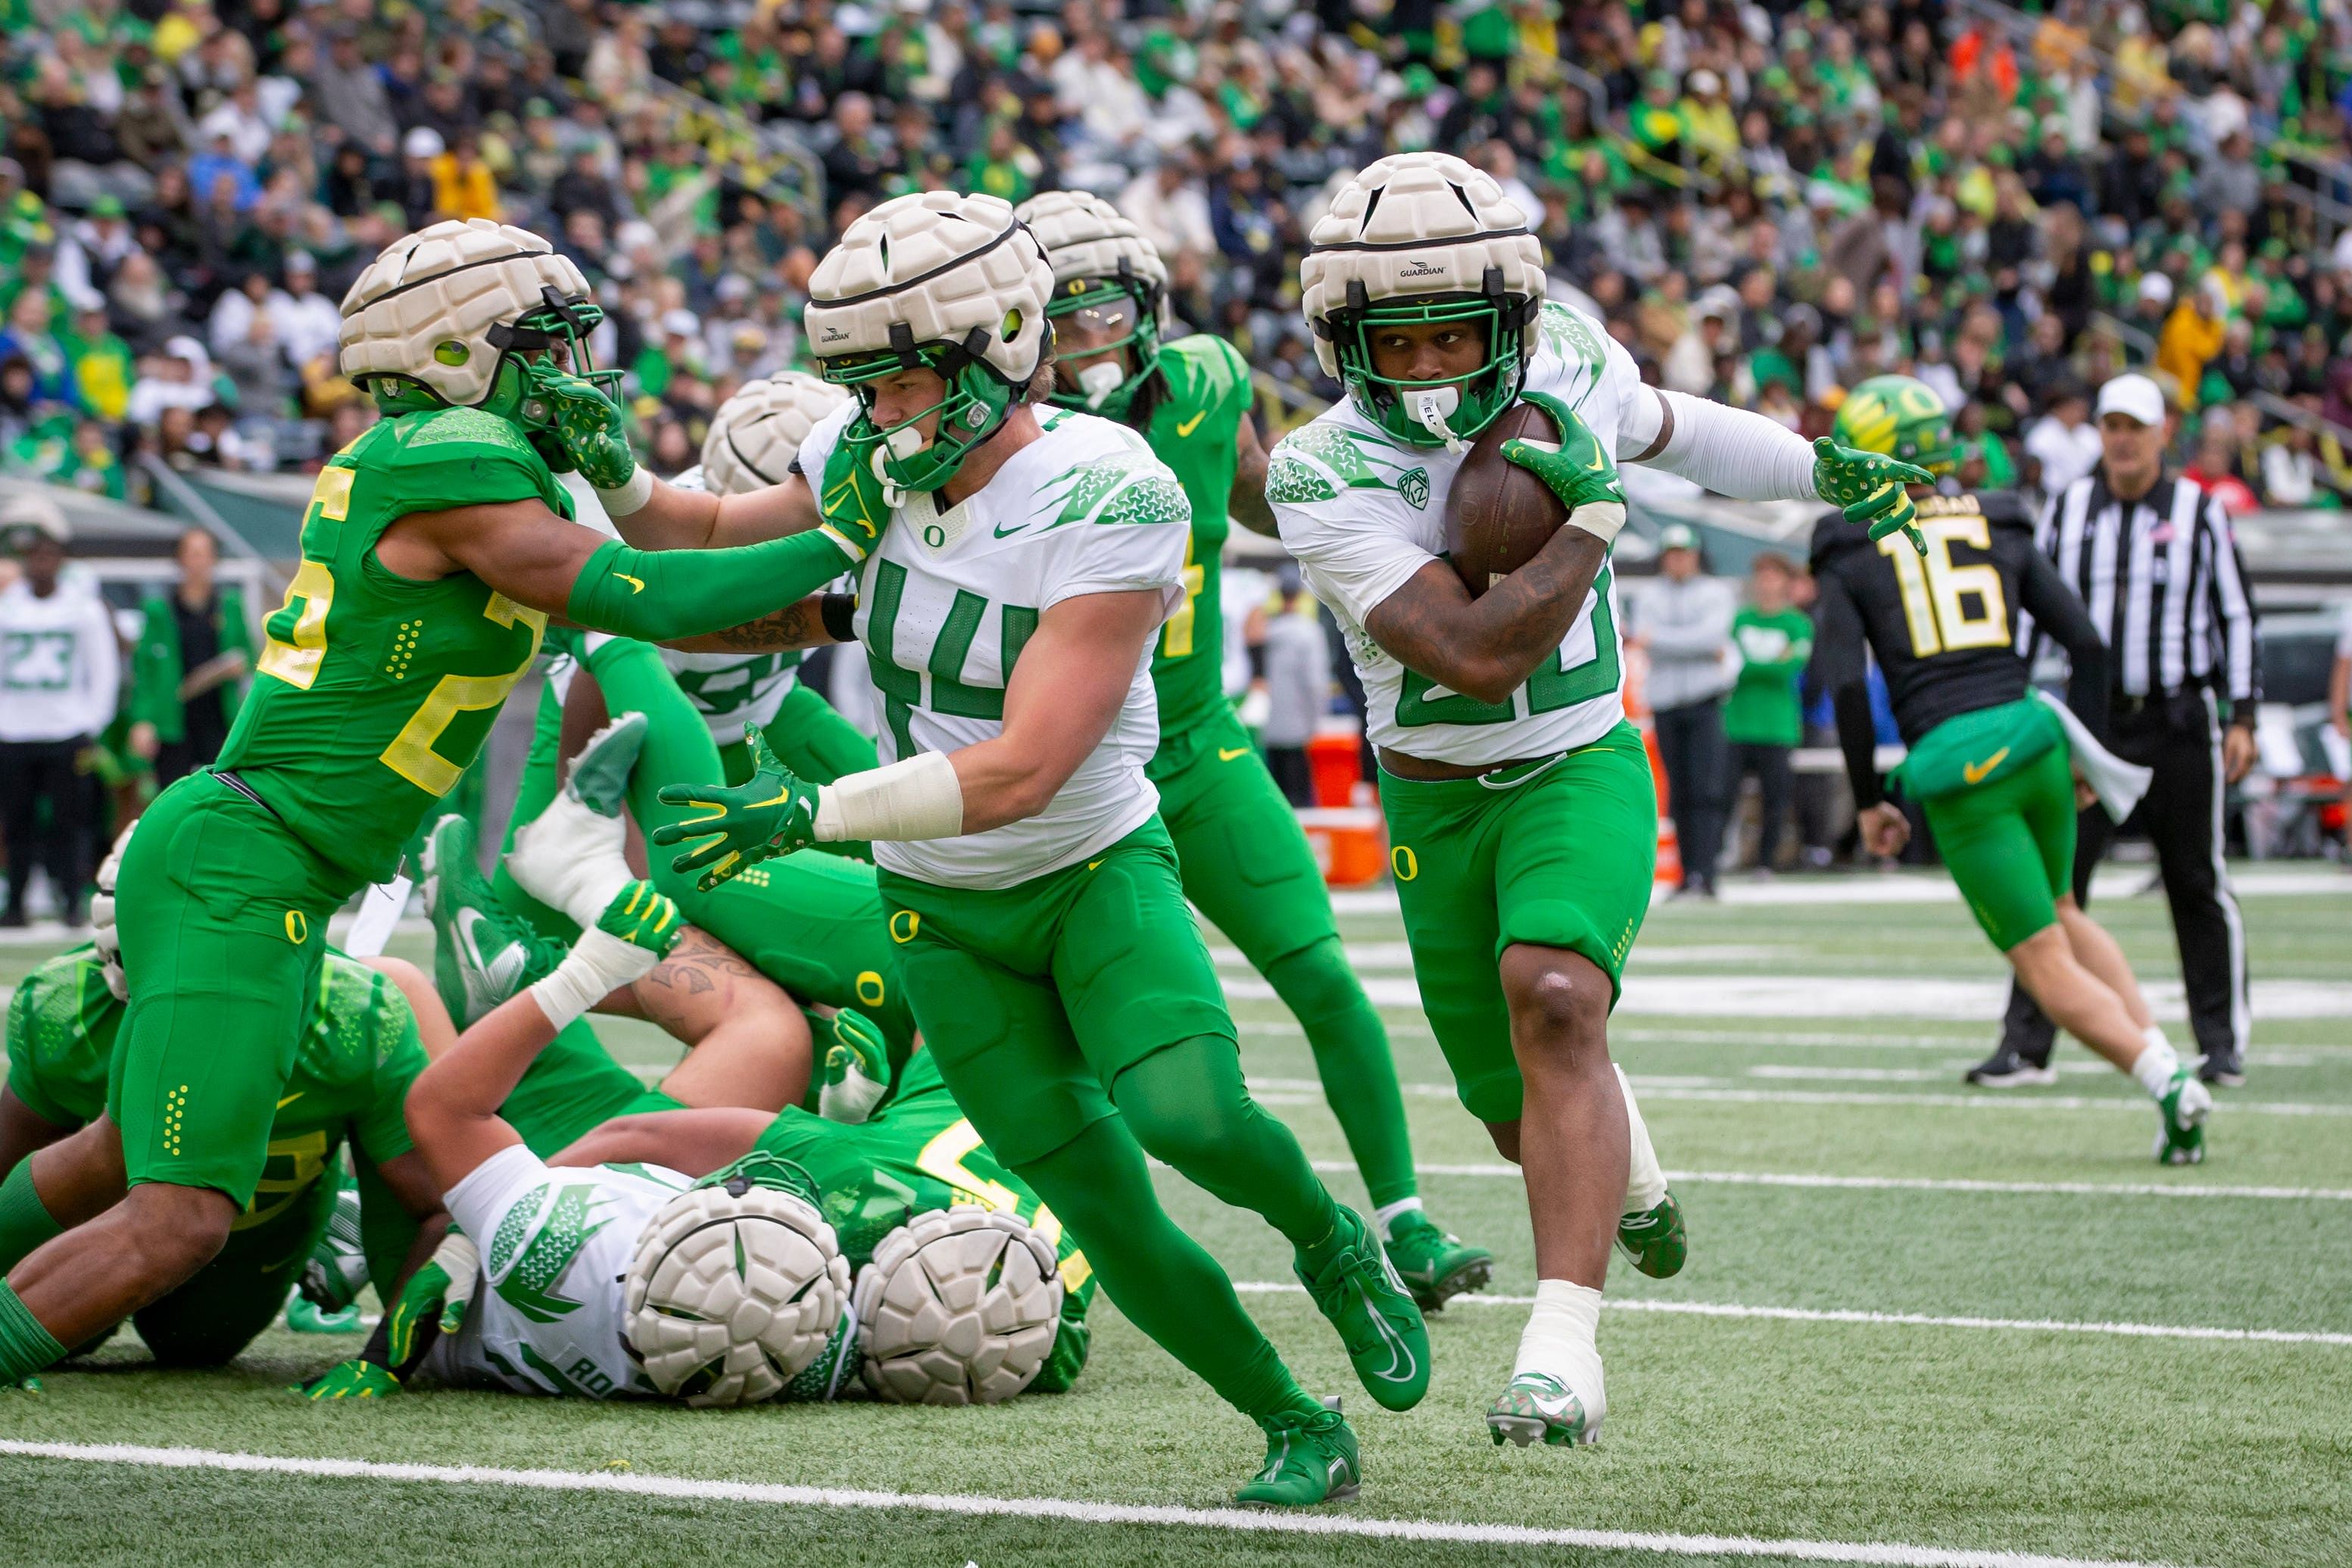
2193	335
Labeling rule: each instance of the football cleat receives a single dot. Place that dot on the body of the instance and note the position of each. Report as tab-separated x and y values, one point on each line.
2185	1106
483	953
330	1280
1537	1408
1435	1267
1309	1459
302	1317
2223	1069
1655	1241
1355	1287
2007	1069
569	856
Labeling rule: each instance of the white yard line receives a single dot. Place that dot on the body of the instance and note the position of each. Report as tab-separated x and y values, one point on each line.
1895	1320
1328	1525
1918	1184
1684	1088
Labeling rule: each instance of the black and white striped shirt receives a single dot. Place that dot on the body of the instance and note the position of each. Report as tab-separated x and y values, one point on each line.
2164	584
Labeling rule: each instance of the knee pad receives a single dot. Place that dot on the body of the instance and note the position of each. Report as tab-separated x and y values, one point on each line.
1316	982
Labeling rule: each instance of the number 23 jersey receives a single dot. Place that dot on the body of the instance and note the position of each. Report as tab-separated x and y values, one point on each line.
376	691
1363	512
950	597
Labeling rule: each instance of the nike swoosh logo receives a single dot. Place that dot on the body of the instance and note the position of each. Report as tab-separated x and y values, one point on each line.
1401	1362
291	1098
1186	427
1974	772
1226	753
1091	864
1002	531
1598	462
635	585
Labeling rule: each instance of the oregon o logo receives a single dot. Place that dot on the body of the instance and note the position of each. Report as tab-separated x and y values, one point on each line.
934	535
298	928
869	983
1405	863
904	923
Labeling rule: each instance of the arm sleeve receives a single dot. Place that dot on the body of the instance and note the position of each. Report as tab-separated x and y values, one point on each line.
654	595
1730	451
2052	603
1841	654
478	1203
2240	665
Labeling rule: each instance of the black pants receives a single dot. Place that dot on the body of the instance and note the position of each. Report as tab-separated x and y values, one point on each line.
32	772
1291	772
2181	738
1776	779
1698	782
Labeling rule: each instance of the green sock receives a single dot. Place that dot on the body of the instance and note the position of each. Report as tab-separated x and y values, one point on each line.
25	1221
1188	1105
1099	1185
25	1347
1351	1057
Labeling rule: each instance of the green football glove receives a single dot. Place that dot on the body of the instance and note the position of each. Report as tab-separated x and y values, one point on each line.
642	918
1869	487
588	427
358	1378
773	814
853	499
1580	471
856	1067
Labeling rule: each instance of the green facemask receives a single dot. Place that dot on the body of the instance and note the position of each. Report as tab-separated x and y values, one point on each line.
1433	413
973	409
1114	388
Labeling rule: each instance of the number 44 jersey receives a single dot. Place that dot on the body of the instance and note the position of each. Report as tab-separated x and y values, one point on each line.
1363	513
376	691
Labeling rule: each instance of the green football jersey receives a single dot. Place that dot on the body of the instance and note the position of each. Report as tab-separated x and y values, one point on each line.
916	1155
1193	430
353	1067
376	691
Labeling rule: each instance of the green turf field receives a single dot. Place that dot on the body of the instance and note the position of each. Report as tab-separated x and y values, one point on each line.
2006	1330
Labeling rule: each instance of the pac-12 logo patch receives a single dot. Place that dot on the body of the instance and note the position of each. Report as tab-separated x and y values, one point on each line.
1414	488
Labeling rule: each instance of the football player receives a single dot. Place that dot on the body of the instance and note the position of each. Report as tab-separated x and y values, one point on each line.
1521	817
1990	764
1245	861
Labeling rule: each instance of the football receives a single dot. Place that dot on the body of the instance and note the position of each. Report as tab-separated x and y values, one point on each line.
1498	514
959	1307
730	1297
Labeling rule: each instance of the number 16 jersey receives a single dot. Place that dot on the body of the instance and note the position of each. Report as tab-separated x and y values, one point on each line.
376	691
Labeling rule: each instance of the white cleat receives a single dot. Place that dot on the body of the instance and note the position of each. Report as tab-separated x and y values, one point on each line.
569	857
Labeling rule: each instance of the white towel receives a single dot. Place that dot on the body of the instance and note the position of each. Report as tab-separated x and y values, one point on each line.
2118	784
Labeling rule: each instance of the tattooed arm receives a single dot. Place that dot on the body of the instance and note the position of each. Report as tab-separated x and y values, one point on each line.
801	625
747	1042
1487	647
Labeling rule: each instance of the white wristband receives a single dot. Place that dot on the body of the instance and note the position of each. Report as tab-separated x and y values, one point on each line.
632	495
598	964
918	799
1602	519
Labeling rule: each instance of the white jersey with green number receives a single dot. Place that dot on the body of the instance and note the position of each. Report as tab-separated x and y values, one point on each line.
1363	512
548	1315
948	600
731	690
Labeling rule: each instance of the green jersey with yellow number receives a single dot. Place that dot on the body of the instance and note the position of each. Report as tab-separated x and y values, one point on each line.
376	691
1193	429
353	1066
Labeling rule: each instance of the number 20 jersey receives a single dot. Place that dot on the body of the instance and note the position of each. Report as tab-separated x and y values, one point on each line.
950	597
1363	512
376	691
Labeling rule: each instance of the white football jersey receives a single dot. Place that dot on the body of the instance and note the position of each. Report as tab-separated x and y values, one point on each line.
548	1313
1363	512
731	690
948	598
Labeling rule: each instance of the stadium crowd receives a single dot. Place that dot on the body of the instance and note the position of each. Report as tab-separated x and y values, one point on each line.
1766	202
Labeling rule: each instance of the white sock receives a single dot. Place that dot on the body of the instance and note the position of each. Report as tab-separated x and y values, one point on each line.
2154	1069
1559	1343
1645	1181
598	964
569	858
1388	1214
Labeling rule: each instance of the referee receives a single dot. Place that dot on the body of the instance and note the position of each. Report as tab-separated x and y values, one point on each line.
2155	563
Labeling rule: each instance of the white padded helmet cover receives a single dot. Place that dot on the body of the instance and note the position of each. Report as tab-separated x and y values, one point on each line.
941	263
451	282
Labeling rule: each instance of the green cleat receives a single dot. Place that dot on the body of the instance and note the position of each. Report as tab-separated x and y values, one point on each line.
1435	1267
1355	1287
1309	1459
483	953
31	1384
1655	1241
600	774
2185	1105
303	1317
1537	1408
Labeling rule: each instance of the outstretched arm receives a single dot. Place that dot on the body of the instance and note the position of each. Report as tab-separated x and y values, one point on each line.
1247	504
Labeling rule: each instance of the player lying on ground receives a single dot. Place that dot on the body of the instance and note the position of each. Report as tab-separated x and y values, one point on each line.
1245	861
1989	762
61	1155
434	549
1520	812
1050	960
